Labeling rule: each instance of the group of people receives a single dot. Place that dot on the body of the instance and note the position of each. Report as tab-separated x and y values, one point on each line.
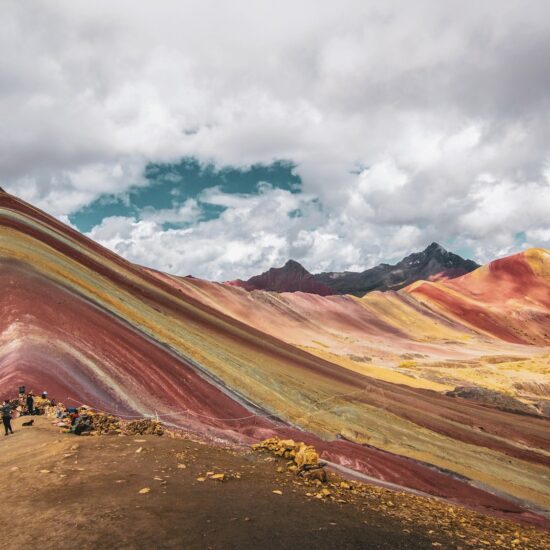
74	420
24	406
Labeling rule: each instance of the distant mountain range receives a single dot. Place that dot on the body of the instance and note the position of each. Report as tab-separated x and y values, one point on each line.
432	264
292	277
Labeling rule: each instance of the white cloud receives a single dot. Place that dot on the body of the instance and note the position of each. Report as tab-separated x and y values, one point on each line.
240	237
186	213
431	96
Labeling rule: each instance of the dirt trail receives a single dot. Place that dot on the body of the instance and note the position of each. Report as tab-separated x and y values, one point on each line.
64	491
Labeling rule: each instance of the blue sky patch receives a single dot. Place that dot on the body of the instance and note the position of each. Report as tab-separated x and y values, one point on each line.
170	185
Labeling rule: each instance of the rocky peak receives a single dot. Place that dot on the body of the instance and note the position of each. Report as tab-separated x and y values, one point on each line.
433	263
435	255
294	267
435	248
292	277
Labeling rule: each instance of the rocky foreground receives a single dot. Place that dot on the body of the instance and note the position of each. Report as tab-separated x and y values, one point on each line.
125	491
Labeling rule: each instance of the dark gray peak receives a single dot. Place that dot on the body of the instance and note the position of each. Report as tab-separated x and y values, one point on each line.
292	277
434	262
2	190
436	247
293	265
435	252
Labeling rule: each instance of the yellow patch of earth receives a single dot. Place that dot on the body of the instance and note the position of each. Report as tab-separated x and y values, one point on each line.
378	372
527	379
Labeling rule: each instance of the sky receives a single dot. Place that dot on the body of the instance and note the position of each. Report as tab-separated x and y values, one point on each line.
222	138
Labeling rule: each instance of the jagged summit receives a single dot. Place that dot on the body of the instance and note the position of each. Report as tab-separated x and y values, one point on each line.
435	246
435	249
292	277
433	263
293	265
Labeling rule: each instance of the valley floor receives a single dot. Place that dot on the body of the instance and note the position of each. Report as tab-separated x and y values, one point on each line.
62	491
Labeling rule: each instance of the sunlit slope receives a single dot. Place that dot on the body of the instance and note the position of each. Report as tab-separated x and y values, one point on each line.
364	335
87	325
508	298
431	335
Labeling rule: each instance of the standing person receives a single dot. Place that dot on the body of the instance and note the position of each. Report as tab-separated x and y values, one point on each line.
6	417
30	402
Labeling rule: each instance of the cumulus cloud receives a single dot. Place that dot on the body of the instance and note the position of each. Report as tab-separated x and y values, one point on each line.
407	121
252	231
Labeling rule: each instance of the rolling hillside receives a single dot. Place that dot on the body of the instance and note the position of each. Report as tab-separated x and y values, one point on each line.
234	366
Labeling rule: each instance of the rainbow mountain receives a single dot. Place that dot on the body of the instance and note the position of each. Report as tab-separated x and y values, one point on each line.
370	381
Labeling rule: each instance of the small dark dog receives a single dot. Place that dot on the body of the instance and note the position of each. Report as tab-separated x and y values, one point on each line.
28	423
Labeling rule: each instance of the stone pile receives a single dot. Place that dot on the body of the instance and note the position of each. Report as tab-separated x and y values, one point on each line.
102	423
301	458
145	426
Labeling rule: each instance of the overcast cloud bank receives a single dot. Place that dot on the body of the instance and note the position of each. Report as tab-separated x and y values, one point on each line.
407	122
